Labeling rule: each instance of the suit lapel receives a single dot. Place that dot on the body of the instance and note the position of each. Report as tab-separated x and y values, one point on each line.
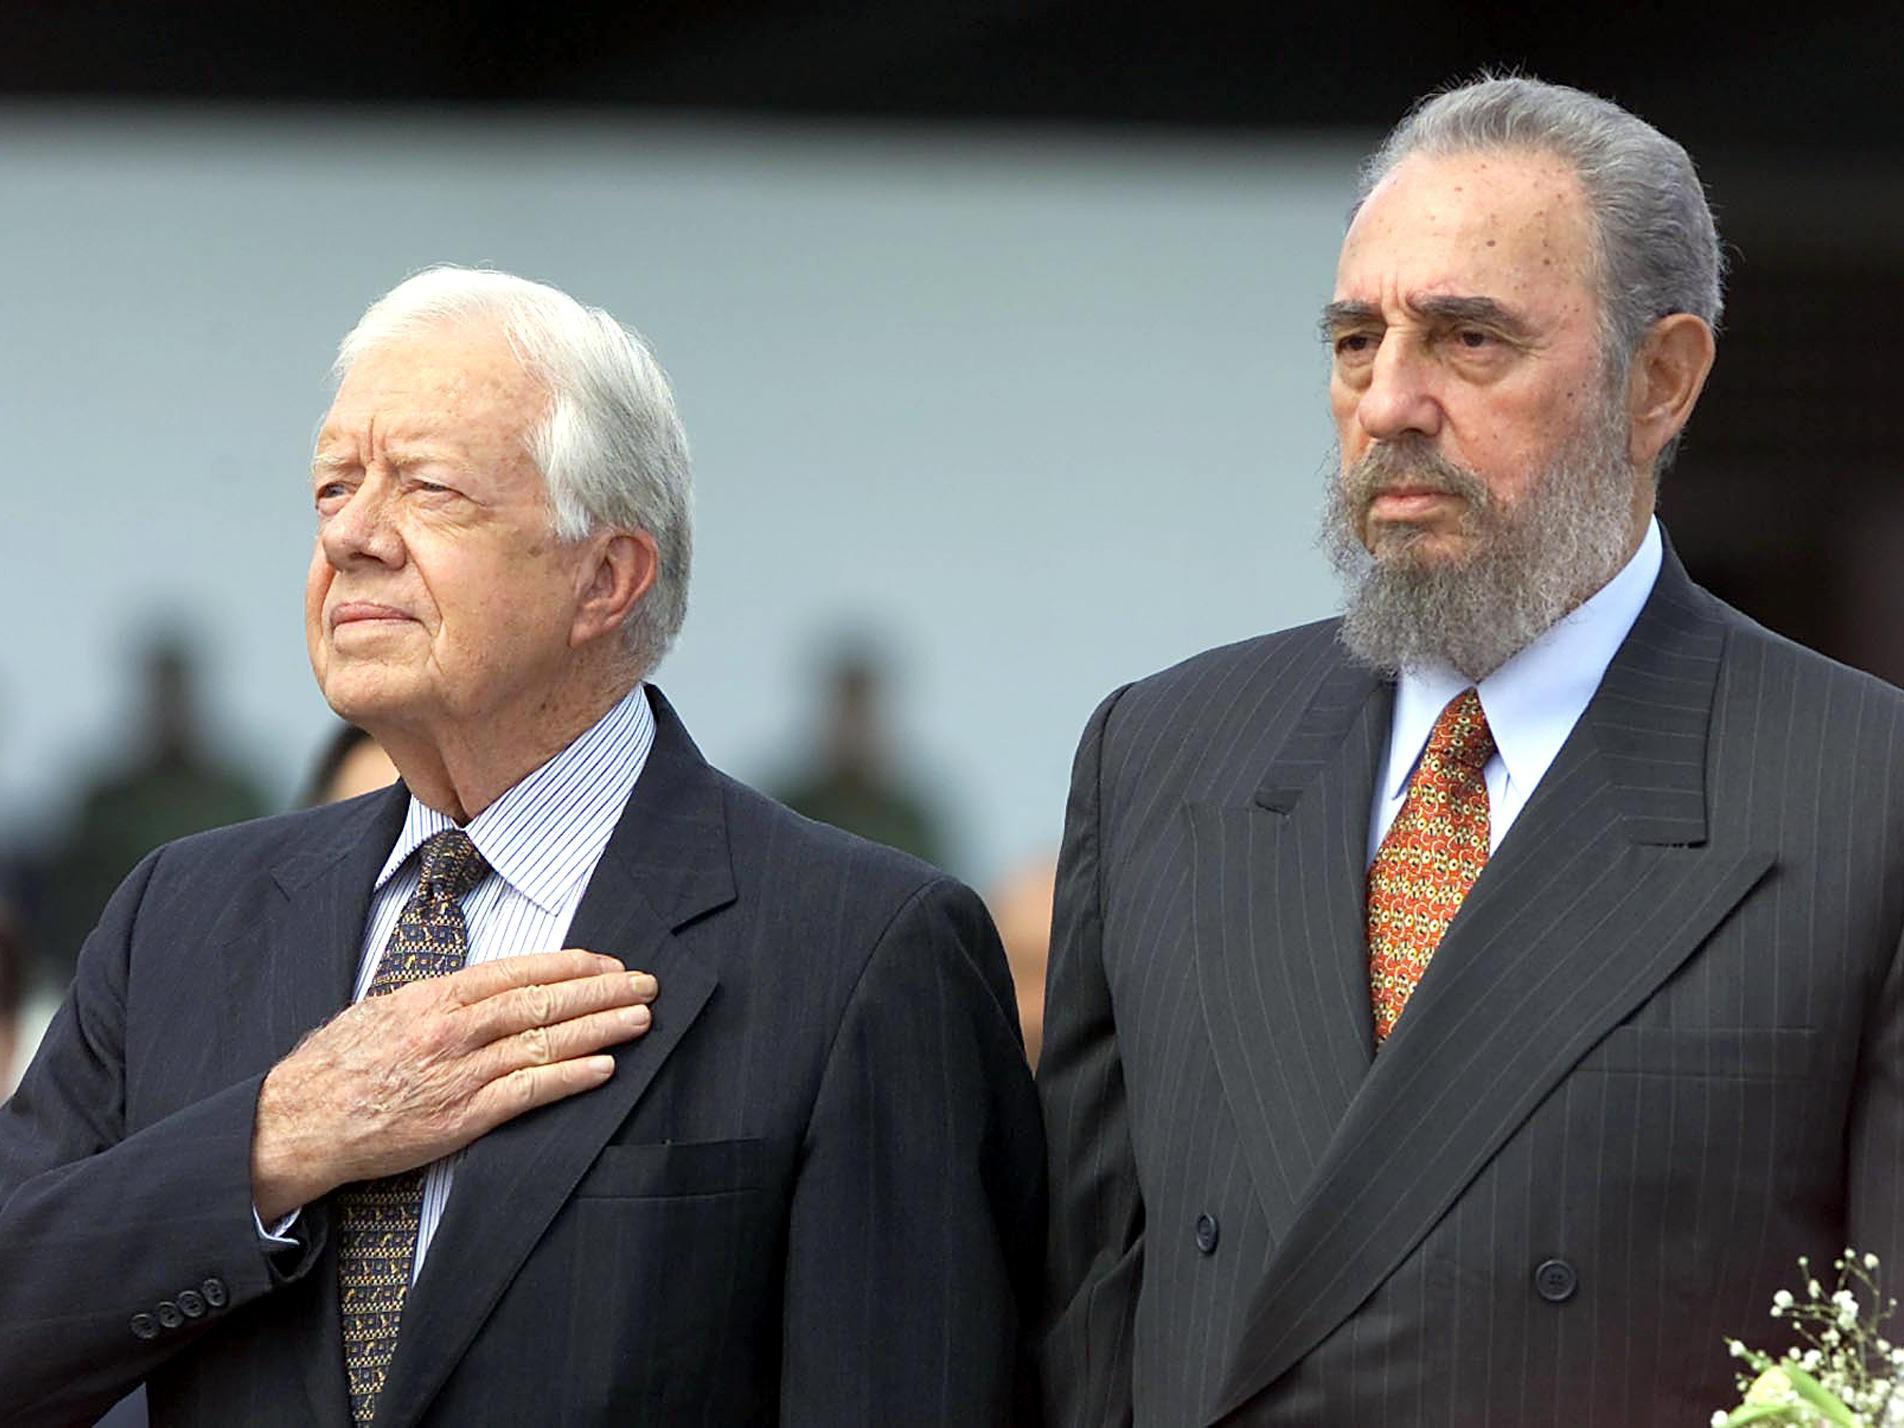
318	943
313	948
666	864
1603	887
1277	917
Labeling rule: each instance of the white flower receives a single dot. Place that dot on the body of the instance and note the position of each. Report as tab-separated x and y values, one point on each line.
1870	1261
1719	1417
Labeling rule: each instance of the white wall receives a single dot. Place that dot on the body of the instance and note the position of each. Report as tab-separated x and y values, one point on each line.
1046	410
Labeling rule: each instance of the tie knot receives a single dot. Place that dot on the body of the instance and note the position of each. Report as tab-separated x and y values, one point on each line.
450	865
1461	734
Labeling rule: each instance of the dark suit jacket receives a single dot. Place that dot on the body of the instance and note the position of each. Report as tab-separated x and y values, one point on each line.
813	1193
1656	1057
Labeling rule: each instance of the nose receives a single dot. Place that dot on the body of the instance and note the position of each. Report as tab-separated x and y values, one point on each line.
362	529
1400	396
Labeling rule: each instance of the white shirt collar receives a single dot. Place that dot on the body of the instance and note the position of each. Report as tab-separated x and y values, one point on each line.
555	821
1533	701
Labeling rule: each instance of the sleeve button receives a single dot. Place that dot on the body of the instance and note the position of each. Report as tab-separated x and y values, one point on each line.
144	1327
191	1304
169	1316
214	1292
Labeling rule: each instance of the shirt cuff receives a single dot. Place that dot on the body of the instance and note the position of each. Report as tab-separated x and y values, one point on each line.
279	1235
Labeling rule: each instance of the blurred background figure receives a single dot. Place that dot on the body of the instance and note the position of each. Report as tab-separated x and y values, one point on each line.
1021	906
350	763
173	783
851	779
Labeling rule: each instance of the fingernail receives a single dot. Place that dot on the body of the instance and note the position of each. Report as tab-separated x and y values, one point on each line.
639	1017
645	985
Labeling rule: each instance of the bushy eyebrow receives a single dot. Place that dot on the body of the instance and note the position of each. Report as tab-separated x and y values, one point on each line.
1445	309
1338	315
1450	310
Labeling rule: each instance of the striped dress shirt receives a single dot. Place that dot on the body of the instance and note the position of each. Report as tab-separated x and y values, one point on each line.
542	840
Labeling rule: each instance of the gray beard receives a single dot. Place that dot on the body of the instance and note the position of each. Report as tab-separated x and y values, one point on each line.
1529	566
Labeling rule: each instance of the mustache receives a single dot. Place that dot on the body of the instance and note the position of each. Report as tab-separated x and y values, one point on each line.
1409	463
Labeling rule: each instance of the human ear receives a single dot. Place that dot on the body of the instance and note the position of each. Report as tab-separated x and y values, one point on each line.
1668	373
621	570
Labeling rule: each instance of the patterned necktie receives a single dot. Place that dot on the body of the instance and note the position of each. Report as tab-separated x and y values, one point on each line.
377	1219
1429	858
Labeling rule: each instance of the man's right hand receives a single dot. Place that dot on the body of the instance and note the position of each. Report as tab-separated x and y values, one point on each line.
398	1081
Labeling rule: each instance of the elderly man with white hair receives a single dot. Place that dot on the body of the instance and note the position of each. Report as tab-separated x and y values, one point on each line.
566	1081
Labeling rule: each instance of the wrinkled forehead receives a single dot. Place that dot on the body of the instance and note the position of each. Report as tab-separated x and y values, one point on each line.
1511	225
456	376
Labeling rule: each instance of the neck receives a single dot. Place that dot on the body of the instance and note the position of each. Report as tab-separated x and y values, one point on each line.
461	766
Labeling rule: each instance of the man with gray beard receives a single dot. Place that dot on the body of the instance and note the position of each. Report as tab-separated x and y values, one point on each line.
1468	1010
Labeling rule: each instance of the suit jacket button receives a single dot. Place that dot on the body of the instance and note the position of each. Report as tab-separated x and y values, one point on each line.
1207	1233
1555	1281
214	1292
191	1304
144	1327
169	1315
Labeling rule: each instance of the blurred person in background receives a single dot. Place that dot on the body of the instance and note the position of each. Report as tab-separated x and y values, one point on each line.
1469	1010
326	1124
1021	906
176	783
851	781
350	763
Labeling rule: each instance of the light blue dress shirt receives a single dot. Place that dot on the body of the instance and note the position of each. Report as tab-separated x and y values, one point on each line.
1532	702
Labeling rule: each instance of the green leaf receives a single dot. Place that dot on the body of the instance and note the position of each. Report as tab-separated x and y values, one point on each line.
1761	1413
1819	1397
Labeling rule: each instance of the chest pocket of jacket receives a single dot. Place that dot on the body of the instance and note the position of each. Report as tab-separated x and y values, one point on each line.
1756	1053
671	1169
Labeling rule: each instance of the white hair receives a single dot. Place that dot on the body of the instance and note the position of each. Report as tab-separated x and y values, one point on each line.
610	448
1655	248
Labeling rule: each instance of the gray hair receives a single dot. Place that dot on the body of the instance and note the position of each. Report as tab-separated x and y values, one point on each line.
1655	248
610	448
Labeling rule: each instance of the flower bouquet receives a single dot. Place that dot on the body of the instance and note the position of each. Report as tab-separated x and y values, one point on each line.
1847	1375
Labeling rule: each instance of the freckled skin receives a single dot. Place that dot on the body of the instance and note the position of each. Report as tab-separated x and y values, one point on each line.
1511	227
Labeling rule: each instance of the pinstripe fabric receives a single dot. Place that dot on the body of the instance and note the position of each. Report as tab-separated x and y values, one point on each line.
1660	1044
542	838
812	1193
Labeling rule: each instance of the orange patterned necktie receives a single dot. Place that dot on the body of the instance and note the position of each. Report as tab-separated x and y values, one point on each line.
1430	857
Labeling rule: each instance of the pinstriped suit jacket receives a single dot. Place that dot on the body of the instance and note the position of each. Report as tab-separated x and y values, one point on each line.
812	1194
1660	1050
